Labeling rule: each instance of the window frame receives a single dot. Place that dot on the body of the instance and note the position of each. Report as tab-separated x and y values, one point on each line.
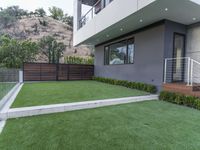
107	60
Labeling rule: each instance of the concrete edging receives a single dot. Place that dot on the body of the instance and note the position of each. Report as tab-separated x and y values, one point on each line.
7	101
49	109
10	98
2	124
6	98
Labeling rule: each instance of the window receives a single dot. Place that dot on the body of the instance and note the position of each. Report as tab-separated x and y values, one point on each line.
119	53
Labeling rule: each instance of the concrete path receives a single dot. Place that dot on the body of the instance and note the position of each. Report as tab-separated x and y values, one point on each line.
49	109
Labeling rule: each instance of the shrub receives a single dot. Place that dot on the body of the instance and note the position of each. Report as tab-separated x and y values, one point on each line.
133	85
79	60
180	99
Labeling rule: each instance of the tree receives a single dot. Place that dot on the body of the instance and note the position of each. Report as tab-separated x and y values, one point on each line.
9	15
51	48
16	11
68	19
56	13
14	52
6	20
41	12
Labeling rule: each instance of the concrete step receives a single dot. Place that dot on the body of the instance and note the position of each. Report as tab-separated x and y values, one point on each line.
183	89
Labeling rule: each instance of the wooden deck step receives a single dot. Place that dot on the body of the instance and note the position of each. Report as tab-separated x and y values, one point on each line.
182	88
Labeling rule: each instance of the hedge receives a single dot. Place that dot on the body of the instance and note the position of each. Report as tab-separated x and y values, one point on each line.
79	60
180	99
133	85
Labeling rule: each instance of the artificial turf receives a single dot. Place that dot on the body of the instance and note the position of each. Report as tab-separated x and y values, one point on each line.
44	93
153	125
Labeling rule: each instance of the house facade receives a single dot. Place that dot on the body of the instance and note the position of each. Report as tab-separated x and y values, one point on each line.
150	41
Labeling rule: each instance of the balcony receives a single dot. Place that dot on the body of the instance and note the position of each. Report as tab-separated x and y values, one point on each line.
95	7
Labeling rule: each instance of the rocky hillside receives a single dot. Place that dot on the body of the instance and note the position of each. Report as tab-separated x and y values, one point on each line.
35	28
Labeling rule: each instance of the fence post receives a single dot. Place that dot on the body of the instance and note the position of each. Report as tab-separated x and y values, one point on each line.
68	71
165	71
188	79
57	71
20	76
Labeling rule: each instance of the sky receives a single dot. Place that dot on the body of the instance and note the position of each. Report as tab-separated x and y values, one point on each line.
31	5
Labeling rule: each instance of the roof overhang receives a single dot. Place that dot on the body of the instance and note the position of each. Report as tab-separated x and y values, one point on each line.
181	11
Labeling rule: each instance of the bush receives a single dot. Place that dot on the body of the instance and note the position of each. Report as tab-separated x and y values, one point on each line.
133	85
180	99
79	60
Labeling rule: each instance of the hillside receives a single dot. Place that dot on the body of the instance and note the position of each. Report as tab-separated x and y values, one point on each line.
32	28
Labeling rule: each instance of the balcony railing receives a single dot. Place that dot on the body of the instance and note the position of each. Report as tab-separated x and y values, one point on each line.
96	8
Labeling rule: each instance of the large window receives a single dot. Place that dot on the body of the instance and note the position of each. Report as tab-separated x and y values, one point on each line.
119	53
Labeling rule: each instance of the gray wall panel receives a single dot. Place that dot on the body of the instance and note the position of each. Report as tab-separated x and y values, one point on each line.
148	66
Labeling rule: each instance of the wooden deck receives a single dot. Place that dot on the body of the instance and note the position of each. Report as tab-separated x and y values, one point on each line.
182	88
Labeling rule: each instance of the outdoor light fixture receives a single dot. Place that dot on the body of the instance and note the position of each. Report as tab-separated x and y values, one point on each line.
194	18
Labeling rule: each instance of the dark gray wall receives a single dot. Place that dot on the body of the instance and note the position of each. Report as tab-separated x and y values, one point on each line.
148	66
152	46
170	29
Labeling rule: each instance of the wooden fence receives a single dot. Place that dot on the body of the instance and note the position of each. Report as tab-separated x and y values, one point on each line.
57	72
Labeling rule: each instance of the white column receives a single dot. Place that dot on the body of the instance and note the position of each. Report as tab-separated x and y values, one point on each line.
20	76
77	14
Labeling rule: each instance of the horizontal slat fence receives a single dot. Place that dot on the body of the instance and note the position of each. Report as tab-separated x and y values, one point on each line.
57	72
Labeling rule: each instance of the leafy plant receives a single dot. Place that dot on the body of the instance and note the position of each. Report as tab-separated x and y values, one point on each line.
6	20
40	12
56	13
132	85
51	48
43	22
79	60
68	19
14	52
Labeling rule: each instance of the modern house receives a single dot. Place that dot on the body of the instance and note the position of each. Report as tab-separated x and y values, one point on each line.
151	41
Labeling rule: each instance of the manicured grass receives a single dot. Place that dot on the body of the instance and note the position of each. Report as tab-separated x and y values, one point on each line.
33	94
154	125
5	88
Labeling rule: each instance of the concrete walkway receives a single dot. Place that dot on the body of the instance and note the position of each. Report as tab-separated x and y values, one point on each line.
49	109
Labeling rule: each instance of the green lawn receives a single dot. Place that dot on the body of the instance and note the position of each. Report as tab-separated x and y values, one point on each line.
154	125
5	88
33	94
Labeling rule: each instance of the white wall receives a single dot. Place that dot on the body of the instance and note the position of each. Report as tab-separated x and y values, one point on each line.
113	13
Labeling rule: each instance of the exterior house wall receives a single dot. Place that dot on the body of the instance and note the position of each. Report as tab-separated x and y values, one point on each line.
148	59
193	42
170	29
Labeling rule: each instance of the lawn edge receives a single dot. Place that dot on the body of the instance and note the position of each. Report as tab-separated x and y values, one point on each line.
56	108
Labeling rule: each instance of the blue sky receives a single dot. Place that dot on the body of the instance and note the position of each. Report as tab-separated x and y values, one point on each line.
31	5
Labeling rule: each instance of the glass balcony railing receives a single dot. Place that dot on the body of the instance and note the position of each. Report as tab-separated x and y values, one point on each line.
95	9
